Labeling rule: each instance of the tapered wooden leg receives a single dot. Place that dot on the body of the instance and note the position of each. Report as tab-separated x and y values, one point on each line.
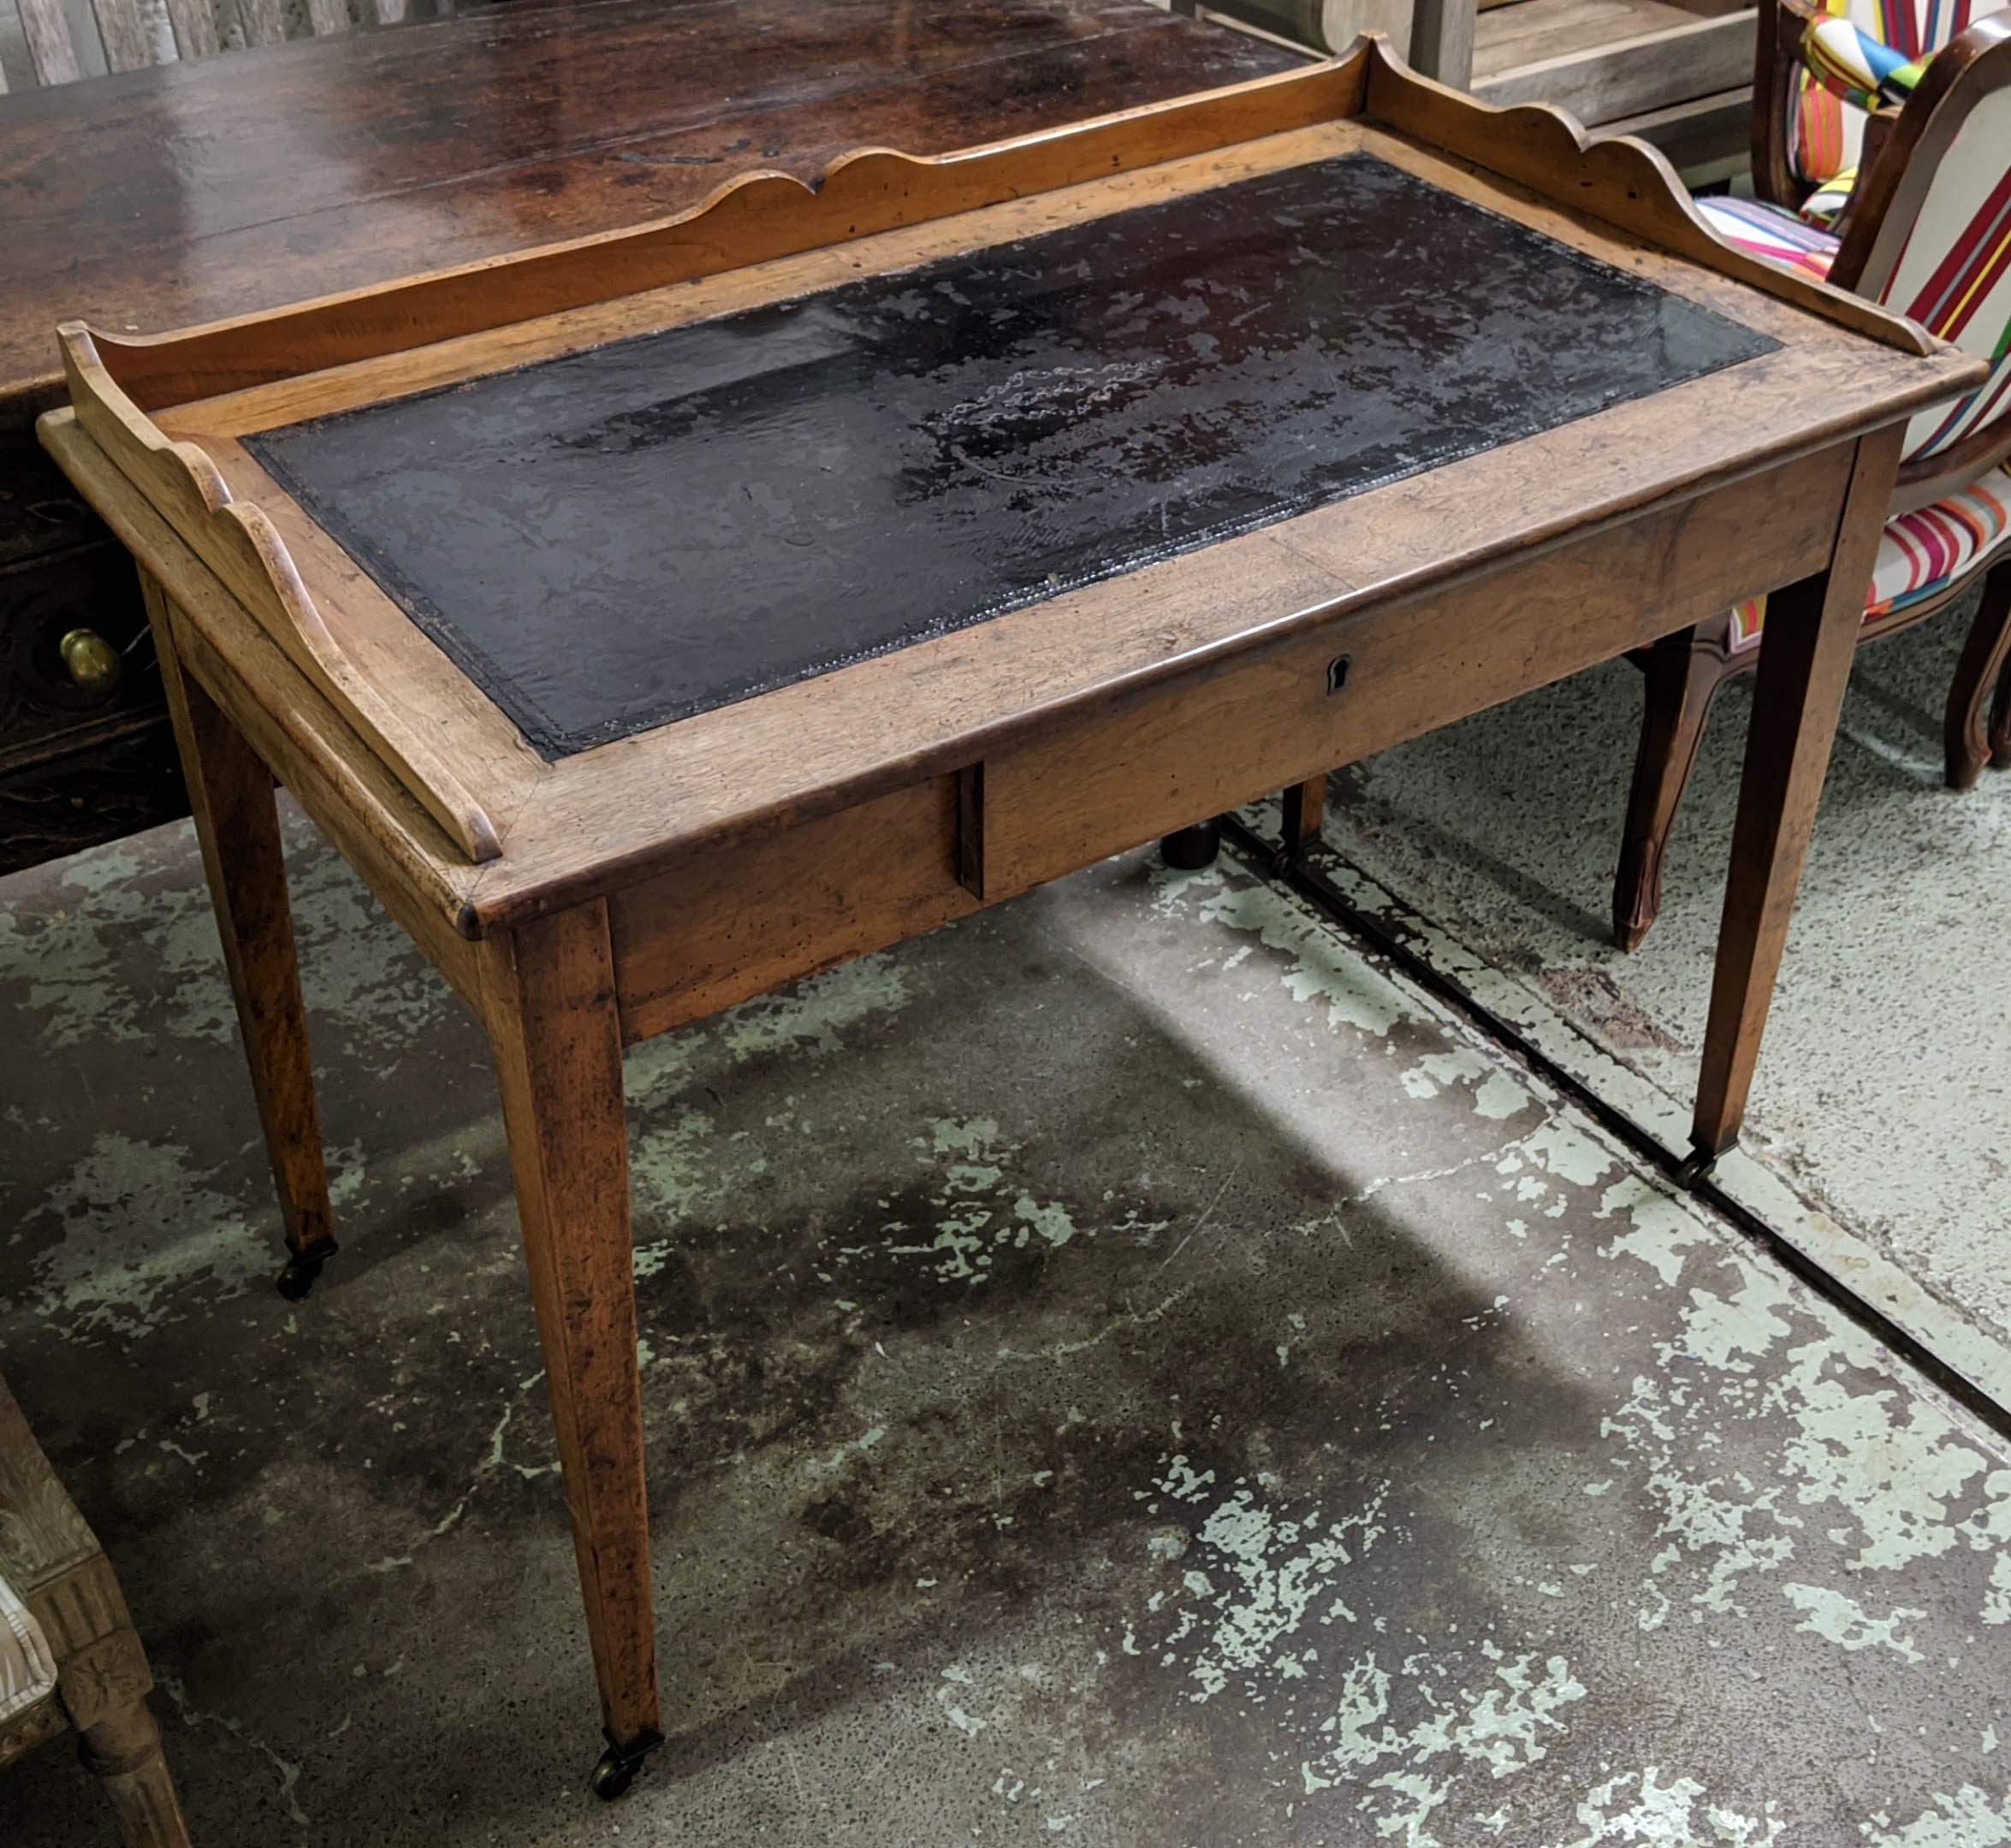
237	824
122	1751
1304	804
548	990
1811	634
1682	674
1979	677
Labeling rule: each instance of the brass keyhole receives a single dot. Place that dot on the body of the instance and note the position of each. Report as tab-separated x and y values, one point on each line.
1337	673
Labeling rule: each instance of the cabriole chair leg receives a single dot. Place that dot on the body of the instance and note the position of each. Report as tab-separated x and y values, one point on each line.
2000	723
1683	674
1968	732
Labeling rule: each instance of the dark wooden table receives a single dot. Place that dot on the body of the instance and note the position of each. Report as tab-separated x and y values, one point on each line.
186	192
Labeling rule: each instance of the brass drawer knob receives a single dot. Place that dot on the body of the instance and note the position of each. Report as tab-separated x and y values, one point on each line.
93	662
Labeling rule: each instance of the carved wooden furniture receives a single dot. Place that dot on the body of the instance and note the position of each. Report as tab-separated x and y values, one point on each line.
77	1651
1927	232
210	190
1299	417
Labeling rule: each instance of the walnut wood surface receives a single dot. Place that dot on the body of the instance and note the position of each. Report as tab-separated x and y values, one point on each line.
404	856
1303	805
759	216
549	992
237	540
929	709
214	187
1812	633
1619	181
753	916
237	824
1776	58
748	221
1413	663
1683	672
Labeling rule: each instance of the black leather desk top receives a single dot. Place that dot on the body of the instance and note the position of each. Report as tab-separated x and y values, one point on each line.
618	539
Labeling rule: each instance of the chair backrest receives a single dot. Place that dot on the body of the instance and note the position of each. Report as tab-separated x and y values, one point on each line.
1930	235
1822	133
129	39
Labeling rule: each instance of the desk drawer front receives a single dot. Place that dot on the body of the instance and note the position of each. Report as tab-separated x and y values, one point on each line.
1201	746
735	921
88	757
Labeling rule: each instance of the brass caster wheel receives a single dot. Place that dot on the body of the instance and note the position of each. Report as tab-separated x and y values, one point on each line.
613	1774
618	1764
298	1278
1696	1168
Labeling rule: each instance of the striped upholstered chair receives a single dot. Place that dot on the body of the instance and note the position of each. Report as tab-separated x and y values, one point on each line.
1925	229
1833	76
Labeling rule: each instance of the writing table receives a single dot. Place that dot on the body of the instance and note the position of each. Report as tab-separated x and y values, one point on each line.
659	617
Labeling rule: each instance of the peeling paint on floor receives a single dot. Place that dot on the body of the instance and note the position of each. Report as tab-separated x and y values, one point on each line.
1126	1370
1886	1086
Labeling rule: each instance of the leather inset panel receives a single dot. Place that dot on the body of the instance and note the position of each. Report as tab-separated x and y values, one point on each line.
618	539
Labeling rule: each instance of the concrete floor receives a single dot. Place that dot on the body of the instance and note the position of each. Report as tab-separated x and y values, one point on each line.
1125	1370
1885	1088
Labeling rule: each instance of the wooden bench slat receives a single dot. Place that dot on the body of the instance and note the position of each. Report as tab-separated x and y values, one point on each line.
50	50
195	28
262	22
128	44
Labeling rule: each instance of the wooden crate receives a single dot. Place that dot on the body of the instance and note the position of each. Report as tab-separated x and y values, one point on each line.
1678	72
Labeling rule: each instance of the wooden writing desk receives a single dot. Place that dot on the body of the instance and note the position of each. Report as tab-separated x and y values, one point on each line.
661	617
172	195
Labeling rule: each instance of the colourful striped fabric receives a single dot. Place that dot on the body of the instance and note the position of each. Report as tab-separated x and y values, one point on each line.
1824	206
1843	57
1920	555
1919	28
1860	54
1955	275
1825	133
1770	231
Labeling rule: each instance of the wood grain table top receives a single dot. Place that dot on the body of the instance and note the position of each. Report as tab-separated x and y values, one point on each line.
158	438
181	193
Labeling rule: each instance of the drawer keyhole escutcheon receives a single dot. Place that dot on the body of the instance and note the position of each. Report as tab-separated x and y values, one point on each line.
1336	673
